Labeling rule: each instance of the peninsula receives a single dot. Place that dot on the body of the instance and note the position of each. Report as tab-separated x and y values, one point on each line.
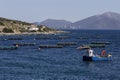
11	27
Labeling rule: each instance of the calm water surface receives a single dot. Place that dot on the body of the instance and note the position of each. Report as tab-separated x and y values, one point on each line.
29	63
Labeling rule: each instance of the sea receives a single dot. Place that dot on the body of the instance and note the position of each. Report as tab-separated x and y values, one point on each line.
32	63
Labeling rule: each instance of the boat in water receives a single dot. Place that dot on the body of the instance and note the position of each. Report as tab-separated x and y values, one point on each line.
107	43
83	47
50	46
92	57
8	47
88	46
66	43
95	45
24	44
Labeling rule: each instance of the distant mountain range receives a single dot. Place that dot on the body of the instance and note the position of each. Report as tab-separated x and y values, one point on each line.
108	20
53	23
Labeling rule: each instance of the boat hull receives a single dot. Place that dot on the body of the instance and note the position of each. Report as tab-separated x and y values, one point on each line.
96	58
24	44
50	46
8	47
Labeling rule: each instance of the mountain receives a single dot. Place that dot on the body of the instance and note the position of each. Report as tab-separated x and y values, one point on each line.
108	20
15	26
53	23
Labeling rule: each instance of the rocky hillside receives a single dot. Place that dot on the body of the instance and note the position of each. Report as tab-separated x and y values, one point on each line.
108	20
14	26
43	28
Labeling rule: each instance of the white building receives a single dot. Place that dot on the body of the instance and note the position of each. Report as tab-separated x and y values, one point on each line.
33	28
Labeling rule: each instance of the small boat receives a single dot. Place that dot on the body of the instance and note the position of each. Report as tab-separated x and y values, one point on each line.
100	43
66	43
50	46
8	47
83	47
92	57
24	44
97	58
40	38
95	45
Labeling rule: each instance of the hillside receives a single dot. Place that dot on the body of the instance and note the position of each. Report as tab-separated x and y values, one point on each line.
108	20
15	26
53	23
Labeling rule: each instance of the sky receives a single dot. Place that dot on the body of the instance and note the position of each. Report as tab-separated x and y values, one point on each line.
70	10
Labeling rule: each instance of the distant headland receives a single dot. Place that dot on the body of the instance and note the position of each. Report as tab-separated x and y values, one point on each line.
11	27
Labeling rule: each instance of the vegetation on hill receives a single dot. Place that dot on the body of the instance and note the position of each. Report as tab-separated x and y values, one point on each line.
15	26
8	30
43	28
4	20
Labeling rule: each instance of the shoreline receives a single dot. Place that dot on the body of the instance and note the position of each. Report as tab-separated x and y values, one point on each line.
34	33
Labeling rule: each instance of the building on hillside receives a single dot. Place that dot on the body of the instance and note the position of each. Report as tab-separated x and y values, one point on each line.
32	28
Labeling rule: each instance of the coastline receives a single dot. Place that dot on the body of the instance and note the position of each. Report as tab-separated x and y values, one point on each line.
34	33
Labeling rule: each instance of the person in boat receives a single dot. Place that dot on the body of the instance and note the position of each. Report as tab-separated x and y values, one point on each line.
90	53
103	53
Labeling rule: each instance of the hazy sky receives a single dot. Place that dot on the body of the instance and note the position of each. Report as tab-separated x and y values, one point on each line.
71	10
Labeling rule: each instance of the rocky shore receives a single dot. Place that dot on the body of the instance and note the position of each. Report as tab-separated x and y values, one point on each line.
31	33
